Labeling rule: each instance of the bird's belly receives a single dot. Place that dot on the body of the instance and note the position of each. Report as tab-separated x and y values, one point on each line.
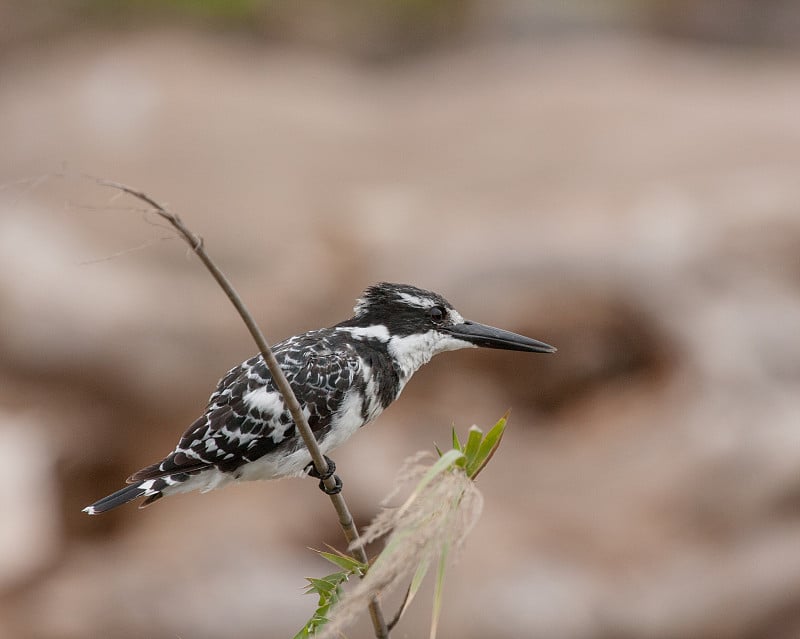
204	481
347	420
274	465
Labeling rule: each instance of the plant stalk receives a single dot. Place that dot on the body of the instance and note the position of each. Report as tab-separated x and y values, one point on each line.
345	518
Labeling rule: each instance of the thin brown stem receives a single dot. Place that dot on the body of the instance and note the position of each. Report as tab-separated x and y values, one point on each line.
401	609
196	243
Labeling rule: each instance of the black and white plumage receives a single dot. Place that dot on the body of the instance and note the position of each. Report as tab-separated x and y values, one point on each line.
344	377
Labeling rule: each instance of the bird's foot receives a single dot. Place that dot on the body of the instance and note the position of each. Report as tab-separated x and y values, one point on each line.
312	471
329	472
331	491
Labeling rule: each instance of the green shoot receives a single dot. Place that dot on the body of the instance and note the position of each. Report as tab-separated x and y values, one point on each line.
431	525
329	590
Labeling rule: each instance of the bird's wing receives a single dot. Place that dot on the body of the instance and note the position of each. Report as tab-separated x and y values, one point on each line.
246	416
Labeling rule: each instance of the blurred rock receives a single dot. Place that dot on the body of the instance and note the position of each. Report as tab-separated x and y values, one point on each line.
744	22
632	202
30	535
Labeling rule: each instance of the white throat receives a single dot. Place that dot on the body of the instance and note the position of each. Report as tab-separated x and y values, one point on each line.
412	351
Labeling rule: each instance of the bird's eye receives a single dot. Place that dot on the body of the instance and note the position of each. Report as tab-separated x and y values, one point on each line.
437	314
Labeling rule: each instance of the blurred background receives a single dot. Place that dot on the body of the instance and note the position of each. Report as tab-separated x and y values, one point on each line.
619	179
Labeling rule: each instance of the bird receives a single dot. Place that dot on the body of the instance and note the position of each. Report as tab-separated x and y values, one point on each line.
343	376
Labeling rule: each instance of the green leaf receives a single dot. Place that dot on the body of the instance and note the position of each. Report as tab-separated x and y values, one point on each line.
329	589
456	444
353	566
413	588
488	446
324	585
473	443
439	589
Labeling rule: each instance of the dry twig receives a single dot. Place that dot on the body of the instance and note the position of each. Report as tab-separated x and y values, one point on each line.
343	512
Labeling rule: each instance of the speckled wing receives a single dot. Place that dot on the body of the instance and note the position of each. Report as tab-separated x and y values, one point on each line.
246	417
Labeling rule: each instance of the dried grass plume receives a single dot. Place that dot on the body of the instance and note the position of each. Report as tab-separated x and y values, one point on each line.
435	519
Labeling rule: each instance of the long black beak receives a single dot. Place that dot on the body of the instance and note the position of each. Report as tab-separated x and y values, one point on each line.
490	337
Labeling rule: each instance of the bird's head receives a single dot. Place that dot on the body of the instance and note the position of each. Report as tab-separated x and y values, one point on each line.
417	324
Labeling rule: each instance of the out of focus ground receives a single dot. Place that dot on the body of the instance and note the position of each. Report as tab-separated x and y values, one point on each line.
634	201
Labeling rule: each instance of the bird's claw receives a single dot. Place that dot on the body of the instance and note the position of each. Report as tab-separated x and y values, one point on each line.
331	491
311	469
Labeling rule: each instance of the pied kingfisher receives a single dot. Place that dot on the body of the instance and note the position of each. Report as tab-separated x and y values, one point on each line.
344	377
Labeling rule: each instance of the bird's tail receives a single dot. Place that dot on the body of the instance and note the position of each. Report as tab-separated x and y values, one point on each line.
151	488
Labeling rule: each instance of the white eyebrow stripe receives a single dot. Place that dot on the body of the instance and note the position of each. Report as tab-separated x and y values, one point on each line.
455	316
413	300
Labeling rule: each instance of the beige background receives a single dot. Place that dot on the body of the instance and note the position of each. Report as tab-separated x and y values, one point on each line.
630	198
